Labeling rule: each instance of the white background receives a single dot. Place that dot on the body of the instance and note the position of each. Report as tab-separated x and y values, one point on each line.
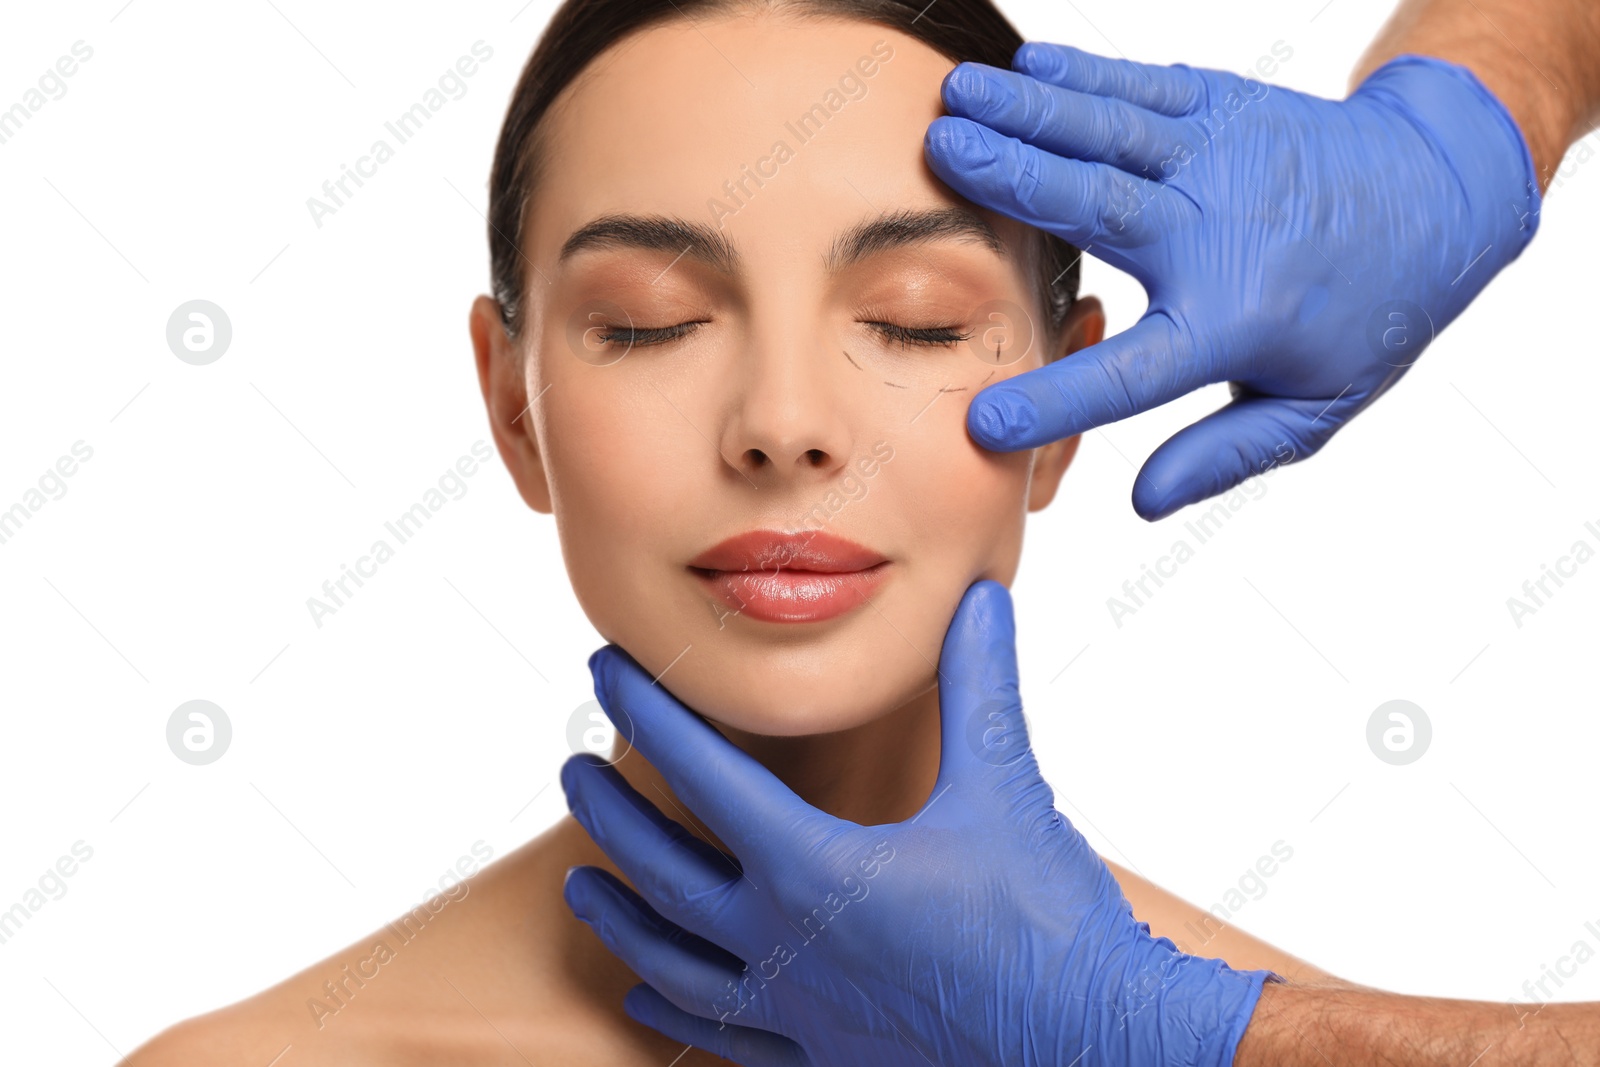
429	712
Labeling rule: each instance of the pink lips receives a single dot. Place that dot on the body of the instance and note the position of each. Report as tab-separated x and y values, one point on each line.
781	577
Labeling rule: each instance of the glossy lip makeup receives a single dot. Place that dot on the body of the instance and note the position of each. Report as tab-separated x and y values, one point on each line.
773	576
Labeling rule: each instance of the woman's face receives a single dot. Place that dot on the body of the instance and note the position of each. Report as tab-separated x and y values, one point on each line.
767	391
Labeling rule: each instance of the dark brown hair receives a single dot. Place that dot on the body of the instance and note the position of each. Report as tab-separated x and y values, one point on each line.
962	30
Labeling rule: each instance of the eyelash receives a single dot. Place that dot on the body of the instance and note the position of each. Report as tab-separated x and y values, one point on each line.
641	337
931	336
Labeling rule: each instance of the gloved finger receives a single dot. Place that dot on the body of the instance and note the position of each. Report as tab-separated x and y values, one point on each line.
1176	91
758	817
687	879
1250	435
983	737
741	1044
1063	121
1140	368
692	972
1082	203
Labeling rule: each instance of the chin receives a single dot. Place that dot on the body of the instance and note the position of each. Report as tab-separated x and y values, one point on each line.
782	679
789	691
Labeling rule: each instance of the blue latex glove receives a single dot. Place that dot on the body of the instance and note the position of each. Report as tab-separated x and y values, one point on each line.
1305	250
984	930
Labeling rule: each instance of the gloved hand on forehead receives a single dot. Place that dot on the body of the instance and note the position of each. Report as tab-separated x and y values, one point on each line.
983	930
1305	250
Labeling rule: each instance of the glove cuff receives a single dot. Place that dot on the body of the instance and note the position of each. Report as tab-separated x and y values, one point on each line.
1175	1009
1481	146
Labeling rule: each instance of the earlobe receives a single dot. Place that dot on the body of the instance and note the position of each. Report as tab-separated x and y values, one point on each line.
1084	325
1050	463
505	396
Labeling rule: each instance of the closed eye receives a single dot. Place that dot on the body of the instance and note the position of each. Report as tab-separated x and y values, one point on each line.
642	336
926	336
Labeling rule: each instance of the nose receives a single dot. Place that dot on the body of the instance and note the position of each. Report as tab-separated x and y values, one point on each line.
787	422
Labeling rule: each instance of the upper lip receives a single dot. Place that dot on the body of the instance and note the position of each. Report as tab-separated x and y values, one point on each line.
815	551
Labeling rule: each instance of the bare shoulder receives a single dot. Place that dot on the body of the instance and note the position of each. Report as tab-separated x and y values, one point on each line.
263	1032
238	1034
456	979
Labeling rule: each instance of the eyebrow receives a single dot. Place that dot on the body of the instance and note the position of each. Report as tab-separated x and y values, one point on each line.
710	246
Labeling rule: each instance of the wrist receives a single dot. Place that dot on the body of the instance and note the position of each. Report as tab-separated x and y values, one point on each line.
1474	140
1170	1007
1552	97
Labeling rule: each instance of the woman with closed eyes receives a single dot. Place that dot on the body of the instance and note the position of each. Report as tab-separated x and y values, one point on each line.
735	327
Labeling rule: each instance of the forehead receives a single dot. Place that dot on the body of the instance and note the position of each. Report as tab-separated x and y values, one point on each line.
778	130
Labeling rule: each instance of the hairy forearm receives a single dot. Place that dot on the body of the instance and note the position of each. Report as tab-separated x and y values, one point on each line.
1540	57
1308	1025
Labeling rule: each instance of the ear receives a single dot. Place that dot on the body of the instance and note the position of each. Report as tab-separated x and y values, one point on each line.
1085	325
501	376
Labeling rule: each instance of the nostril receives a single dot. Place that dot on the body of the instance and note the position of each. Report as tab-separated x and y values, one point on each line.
817	456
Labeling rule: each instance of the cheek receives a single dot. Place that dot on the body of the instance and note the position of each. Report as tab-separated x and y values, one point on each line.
617	503
965	506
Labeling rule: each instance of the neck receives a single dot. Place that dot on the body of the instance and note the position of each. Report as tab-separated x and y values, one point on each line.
880	772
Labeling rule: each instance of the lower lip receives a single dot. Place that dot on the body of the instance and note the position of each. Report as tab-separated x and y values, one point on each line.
790	595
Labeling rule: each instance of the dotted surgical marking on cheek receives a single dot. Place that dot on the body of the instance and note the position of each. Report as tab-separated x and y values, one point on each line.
857	366
957	389
986	377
